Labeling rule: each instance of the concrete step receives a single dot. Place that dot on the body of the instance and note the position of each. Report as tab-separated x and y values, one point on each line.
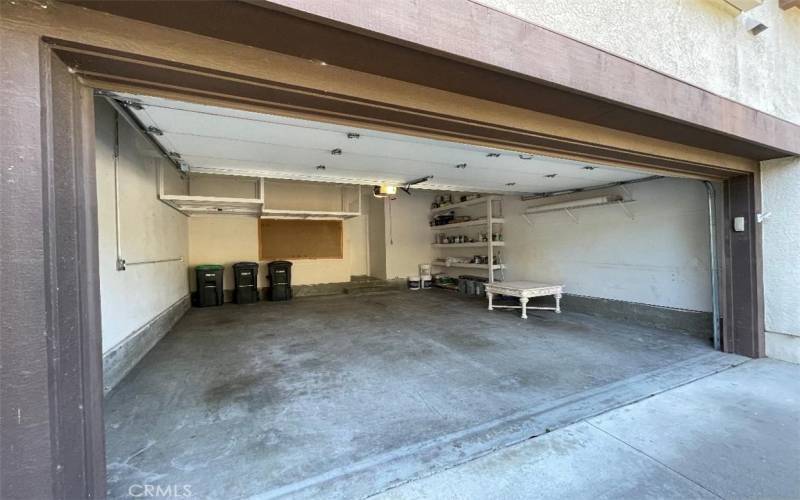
363	278
361	290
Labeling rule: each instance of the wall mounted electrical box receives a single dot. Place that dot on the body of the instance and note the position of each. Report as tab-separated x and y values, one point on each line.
738	224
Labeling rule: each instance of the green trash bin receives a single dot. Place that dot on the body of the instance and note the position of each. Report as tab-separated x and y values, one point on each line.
209	285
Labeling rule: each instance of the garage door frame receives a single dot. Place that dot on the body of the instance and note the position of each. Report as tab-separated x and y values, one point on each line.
51	217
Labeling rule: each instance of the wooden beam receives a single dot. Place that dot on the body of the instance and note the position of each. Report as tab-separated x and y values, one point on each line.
461	47
128	55
788	4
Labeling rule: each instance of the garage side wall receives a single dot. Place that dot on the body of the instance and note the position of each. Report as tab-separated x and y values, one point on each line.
408	235
660	257
780	184
141	303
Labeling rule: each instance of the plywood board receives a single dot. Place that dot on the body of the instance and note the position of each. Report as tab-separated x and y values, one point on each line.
300	239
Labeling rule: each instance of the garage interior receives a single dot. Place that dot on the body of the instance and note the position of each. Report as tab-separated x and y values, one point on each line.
360	382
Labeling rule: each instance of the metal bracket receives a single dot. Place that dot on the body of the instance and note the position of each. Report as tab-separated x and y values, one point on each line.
762	217
120	264
572	216
627	212
525	216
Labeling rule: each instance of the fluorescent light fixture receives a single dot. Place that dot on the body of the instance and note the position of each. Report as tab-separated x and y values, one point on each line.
566	205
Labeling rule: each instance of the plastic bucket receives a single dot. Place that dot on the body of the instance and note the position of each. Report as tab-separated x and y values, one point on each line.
426	281
413	283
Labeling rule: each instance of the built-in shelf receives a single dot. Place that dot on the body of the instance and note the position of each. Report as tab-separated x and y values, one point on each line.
481	244
200	205
478	222
270	213
474	201
468	265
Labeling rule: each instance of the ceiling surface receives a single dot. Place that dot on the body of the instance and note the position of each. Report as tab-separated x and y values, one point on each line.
227	141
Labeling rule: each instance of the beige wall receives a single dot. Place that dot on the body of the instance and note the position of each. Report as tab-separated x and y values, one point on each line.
149	230
316	196
227	239
222	239
227	186
408	235
376	229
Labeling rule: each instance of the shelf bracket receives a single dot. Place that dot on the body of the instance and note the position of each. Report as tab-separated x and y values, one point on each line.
572	216
530	222
625	209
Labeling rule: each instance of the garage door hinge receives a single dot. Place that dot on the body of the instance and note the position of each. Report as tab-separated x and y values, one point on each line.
120	264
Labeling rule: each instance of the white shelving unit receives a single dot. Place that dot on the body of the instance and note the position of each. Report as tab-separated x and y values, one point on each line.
204	205
493	206
468	266
347	203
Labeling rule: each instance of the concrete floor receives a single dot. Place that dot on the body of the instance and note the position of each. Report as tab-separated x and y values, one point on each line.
347	396
735	434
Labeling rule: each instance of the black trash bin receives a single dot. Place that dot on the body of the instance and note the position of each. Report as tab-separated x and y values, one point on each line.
245	277
279	273
209	285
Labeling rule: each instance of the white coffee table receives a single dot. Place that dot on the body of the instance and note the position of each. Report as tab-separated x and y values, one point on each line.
525	290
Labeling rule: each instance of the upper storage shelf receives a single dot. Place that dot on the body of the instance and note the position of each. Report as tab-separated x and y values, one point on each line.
468	203
196	205
207	194
310	200
270	199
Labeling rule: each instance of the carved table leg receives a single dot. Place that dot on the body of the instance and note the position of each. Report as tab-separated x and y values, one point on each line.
523	301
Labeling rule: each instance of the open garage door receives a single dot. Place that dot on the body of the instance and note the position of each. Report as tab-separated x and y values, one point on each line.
391	322
58	55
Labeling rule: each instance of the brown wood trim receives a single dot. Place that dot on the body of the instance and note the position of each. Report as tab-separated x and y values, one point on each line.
788	4
743	322
67	22
111	69
72	292
50	363
546	72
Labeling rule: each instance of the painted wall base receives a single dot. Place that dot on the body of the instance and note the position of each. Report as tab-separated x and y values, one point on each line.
696	323
783	346
121	359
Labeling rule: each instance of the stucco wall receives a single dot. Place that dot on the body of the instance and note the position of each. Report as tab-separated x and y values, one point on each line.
149	230
705	43
702	42
781	248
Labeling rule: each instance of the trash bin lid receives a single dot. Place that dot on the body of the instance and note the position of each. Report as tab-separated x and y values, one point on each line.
246	264
209	267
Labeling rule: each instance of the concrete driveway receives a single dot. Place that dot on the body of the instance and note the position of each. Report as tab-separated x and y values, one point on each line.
735	434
